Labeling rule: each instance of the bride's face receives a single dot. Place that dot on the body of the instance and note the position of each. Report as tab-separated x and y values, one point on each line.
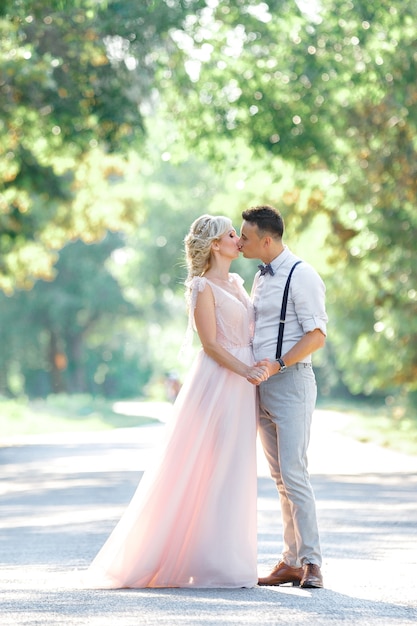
228	244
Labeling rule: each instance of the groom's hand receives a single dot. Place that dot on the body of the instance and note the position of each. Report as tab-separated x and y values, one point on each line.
258	373
270	366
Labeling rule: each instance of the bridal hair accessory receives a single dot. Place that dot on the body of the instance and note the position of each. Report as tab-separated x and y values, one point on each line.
202	227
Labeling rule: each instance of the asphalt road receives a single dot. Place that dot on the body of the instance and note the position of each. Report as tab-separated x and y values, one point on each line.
61	495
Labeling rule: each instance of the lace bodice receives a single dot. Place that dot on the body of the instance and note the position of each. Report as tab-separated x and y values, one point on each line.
234	313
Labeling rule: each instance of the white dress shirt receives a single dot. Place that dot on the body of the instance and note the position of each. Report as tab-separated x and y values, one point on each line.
305	310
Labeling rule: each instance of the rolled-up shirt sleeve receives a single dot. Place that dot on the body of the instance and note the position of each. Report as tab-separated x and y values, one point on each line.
309	293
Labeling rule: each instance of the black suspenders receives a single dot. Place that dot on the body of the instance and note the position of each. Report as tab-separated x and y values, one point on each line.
284	311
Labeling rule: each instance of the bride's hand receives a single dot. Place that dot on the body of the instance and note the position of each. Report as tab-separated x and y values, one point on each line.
258	373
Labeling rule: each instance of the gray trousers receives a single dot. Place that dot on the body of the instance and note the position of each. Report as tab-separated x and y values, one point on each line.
286	405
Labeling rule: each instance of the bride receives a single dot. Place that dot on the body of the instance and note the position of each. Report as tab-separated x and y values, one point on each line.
192	520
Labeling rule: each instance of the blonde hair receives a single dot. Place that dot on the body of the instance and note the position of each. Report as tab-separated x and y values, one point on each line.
203	231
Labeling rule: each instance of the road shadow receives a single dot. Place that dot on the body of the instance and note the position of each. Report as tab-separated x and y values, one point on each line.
260	605
59	504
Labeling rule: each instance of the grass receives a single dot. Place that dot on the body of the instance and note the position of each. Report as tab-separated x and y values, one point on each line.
63	413
379	424
83	413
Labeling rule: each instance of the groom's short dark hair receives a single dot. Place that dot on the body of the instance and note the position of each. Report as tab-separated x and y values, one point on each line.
267	218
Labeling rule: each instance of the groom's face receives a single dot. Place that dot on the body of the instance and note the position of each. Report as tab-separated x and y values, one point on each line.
250	242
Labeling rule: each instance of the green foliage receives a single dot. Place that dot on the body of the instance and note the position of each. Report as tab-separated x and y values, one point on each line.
75	79
70	333
333	91
59	105
308	106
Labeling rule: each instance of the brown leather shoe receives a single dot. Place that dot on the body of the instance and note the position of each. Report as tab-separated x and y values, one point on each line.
312	577
281	574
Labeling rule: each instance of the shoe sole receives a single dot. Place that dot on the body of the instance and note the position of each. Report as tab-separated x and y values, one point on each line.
294	583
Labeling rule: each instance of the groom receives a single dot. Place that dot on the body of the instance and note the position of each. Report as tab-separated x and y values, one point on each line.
287	399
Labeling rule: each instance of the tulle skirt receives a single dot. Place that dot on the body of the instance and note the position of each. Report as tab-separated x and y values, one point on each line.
192	520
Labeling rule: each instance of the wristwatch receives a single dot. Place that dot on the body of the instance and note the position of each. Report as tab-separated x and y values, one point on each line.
282	364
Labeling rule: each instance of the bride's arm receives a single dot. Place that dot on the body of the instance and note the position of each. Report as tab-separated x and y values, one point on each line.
205	322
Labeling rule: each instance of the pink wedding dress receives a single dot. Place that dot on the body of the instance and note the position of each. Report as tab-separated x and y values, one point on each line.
192	520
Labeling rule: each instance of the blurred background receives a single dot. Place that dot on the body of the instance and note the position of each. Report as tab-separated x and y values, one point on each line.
122	121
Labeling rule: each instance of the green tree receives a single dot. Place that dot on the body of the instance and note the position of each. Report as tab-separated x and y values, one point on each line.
313	102
332	90
68	333
76	78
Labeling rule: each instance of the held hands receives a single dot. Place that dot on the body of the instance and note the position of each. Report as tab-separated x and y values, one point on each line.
258	372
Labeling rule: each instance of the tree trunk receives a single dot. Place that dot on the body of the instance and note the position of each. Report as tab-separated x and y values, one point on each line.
58	363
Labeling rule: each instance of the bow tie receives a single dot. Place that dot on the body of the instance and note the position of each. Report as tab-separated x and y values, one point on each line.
266	269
